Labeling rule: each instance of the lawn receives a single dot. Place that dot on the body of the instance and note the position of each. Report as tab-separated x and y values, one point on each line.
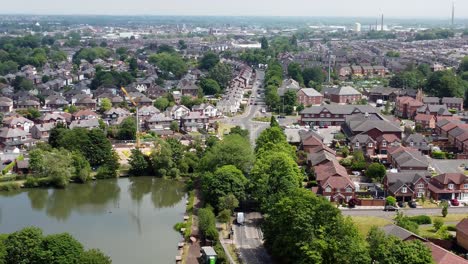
224	128
364	223
427	204
428	232
265	119
451	217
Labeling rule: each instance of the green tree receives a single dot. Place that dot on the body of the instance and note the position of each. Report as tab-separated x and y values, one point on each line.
295	72
273	122
438	223
222	74
106	104
445	84
376	171
138	163
82	169
161	103
174	126
94	256
24	246
210	86
273	175
225	180
444	209
182	45
209	60
390	200
315	75
239	131
127	129
302	228
207	223
264	43
228	202
232	150
63	249
169	63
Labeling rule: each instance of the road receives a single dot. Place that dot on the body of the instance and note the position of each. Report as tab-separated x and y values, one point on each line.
248	240
448	166
408	211
251	111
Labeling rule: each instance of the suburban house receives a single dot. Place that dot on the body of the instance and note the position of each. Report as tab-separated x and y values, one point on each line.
407	107
190	89
194	121
25	104
434	109
431	100
419	142
54	118
342	95
42	131
333	182
85	123
333	115
158	121
462	233
439	254
15	137
84	115
453	103
55	102
86	102
406	186
449	186
145	112
309	96
404	159
18	121
177	111
116	115
6	105
383	93
206	109
425	121
288	85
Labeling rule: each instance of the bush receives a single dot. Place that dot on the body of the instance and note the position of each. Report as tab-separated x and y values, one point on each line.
452	228
8	178
179	226
360	165
34	182
104	172
438	223
391	200
346	162
438	155
421	219
10	186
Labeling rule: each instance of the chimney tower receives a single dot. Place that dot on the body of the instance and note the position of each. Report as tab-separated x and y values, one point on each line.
381	27
453	14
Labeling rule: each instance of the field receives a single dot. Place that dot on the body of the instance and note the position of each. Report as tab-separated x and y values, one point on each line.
364	223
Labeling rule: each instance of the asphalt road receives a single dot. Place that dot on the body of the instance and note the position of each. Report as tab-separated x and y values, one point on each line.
248	240
406	211
251	111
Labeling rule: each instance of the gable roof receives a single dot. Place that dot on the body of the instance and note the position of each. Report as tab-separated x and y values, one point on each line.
399	232
456	178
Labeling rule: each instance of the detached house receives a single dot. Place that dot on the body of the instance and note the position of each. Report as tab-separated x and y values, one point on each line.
6	105
42	131
85	115
15	137
86	102
449	186
343	95
116	115
407	107
177	111
309	96
193	121
453	103
18	121
85	123
158	122
206	109
405	159
406	186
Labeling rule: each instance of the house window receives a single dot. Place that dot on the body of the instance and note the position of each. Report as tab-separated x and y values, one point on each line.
328	115
420	194
357	144
371	145
328	189
384	143
421	185
450	186
348	190
404	190
411	143
465	186
322	115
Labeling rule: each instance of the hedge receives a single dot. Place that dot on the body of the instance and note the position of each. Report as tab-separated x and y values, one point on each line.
421	219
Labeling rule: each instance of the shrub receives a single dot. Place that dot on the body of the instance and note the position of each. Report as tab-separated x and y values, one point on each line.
179	226
10	186
360	165
444	209
345	152
391	200
8	178
421	219
451	228
346	162
438	223
438	155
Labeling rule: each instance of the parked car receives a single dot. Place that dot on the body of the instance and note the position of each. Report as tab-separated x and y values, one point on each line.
401	204
280	116
454	202
390	208
412	204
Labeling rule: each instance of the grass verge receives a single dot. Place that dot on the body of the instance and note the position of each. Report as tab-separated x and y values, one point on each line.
364	223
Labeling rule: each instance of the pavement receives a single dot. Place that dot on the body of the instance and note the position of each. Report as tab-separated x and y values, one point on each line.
448	166
248	239
194	248
406	211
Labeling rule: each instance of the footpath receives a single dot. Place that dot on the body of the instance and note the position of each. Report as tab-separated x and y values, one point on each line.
194	248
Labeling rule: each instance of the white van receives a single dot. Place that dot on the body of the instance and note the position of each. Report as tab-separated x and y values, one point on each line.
240	218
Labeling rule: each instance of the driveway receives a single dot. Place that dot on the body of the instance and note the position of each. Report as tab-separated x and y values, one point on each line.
248	240
447	166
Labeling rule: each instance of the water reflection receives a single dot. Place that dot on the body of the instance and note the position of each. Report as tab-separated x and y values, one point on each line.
164	193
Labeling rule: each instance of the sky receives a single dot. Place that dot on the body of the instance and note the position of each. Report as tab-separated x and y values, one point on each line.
322	8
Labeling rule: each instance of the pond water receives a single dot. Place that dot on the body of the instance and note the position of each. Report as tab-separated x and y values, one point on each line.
130	219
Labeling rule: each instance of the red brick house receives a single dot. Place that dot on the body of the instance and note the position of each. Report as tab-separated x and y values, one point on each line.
407	159
407	107
449	186
343	95
425	121
333	182
462	233
406	186
309	96
453	103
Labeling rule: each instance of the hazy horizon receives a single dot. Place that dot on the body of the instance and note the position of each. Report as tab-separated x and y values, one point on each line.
403	9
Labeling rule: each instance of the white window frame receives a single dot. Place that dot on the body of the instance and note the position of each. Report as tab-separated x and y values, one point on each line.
349	189
411	143
356	144
465	186
404	190
322	115
328	189
451	186
384	143
420	194
421	185
370	145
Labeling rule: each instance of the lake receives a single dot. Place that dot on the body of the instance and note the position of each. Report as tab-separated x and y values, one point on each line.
129	219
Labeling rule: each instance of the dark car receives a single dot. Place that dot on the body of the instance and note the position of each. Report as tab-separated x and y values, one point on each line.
281	117
454	202
390	208
412	204
401	204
